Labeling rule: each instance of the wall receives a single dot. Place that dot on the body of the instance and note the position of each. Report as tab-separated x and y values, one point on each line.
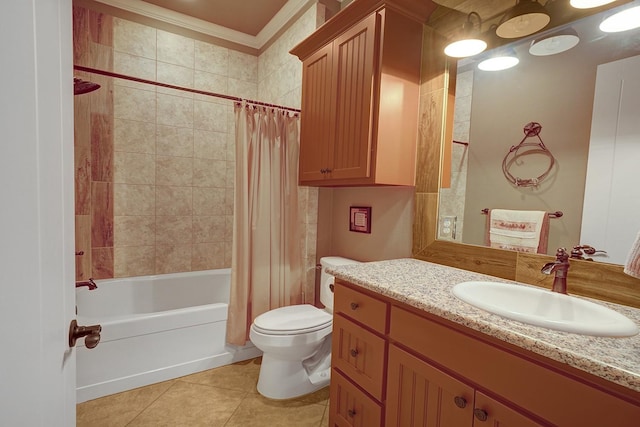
170	154
391	215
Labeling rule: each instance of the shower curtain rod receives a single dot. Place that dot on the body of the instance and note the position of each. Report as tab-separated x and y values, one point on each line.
186	89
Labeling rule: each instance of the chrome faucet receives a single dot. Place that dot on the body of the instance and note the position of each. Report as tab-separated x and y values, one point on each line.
89	284
560	267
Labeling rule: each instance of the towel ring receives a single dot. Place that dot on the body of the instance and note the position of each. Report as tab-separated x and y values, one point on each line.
531	129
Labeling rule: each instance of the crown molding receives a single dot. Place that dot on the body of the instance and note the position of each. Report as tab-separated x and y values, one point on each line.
284	15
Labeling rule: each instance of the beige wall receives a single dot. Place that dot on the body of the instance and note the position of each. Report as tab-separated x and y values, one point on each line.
391	216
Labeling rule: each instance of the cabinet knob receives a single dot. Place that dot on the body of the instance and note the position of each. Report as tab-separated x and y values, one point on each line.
353	352
354	306
323	170
351	412
480	414
460	401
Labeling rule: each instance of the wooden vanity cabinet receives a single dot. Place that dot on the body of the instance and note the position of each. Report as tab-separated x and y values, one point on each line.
412	368
360	94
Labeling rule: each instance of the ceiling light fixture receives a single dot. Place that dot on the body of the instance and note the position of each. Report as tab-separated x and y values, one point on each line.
588	4
525	18
554	43
468	43
625	20
499	62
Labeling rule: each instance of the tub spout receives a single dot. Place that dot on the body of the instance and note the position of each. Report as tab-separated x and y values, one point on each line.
88	283
560	267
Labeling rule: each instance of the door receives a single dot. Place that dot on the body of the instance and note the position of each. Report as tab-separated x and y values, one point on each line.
37	297
419	395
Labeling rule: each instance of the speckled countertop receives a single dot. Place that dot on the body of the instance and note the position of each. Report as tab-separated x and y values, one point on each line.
428	286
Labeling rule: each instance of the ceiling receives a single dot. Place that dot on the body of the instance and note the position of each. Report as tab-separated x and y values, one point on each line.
245	16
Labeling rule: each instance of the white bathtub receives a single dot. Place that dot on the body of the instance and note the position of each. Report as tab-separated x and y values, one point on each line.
154	328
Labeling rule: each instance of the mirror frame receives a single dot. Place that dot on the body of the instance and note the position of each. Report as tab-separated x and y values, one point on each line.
437	94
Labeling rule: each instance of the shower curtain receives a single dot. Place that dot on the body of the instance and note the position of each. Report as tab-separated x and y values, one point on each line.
266	269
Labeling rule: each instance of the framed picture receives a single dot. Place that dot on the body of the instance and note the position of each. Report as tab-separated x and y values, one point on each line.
360	219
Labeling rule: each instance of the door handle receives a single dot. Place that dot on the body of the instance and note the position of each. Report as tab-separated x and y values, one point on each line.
91	334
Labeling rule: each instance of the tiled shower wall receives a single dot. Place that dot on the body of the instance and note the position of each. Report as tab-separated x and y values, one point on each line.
161	161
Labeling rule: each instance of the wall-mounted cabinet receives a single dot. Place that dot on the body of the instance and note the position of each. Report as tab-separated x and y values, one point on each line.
360	96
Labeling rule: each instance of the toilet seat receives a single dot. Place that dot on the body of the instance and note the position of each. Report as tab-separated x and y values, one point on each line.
292	320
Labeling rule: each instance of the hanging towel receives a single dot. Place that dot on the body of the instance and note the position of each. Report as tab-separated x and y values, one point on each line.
632	266
522	231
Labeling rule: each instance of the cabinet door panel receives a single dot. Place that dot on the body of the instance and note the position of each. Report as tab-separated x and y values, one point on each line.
359	354
316	129
363	308
354	58
420	395
350	406
499	415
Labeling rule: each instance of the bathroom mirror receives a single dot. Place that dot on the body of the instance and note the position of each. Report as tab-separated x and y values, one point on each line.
557	91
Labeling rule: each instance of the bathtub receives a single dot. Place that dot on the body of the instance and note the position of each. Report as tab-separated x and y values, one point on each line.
154	328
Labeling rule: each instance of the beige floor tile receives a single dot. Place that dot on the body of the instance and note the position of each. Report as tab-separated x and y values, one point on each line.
321	397
190	405
118	409
325	418
241	376
258	411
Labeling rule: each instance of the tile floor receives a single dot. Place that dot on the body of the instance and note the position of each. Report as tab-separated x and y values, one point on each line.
224	396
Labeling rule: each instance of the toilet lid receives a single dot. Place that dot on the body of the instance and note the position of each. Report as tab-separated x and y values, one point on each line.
292	319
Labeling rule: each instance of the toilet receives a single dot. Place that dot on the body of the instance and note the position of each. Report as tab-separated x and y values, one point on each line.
296	342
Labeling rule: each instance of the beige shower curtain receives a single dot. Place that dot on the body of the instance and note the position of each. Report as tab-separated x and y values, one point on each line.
266	269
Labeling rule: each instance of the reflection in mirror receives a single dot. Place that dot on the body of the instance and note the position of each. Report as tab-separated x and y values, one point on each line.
587	101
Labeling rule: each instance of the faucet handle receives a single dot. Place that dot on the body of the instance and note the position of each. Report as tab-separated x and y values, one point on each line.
578	251
561	254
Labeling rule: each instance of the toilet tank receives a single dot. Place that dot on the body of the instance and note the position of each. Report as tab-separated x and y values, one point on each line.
326	279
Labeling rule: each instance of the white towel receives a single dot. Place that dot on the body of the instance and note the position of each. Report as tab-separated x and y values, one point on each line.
522	231
632	266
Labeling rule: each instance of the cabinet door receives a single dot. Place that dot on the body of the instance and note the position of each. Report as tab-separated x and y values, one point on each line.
316	128
420	395
488	412
354	56
350	406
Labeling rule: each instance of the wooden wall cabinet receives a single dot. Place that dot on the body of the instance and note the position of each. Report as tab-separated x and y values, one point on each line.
360	96
396	366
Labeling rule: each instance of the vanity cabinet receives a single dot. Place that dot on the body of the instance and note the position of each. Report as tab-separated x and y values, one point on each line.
412	368
360	94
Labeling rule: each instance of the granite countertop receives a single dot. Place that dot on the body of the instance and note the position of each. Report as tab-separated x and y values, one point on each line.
427	286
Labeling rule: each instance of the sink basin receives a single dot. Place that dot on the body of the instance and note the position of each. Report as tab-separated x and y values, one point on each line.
541	307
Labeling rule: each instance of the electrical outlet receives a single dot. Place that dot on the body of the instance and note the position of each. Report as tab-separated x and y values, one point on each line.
447	227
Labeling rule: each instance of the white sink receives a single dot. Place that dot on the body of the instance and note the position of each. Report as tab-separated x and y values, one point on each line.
541	307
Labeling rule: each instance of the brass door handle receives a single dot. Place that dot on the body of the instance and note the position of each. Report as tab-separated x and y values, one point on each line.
91	334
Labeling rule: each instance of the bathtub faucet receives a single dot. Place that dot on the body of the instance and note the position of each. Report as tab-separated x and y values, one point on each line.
559	267
88	283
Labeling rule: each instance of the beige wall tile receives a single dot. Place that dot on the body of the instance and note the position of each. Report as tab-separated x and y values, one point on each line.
231	174
209	173
130	199
210	116
176	75
228	201
210	82
134	261
173	259
243	66
135	66
134	136
134	168
174	201
133	38
134	231
175	110
208	201
208	256
175	49
175	171
134	104
209	145
243	89
211	58
209	229
174	230
174	141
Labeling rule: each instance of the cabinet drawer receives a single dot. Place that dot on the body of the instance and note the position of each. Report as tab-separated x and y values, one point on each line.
361	308
359	354
350	406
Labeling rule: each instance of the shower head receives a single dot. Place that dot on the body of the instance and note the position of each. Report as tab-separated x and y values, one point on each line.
82	86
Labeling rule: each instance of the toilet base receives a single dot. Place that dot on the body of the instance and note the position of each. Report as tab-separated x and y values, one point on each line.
286	379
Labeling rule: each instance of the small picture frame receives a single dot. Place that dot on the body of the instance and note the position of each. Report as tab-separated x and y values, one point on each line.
360	219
